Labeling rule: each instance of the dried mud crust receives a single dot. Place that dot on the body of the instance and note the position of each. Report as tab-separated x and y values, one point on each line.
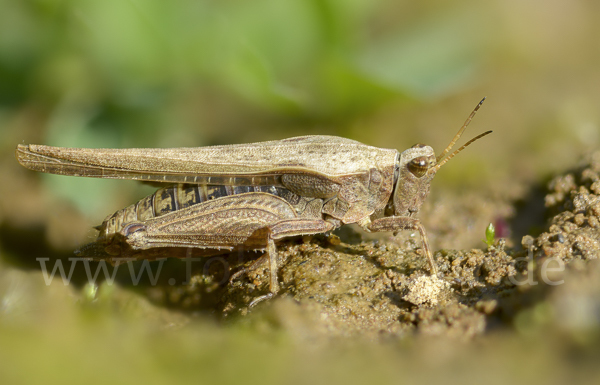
344	287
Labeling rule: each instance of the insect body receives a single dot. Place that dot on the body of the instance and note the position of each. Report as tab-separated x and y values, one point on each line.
251	195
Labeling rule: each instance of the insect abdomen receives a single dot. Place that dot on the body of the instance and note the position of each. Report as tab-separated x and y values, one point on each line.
179	196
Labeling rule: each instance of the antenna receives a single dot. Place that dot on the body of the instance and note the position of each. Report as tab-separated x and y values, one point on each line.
461	148
458	135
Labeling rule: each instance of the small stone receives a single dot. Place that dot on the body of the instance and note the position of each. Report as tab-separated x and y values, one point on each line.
527	242
425	289
594	209
579	219
486	306
595	187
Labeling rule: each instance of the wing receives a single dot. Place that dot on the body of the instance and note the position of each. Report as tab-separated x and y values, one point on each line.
221	223
329	156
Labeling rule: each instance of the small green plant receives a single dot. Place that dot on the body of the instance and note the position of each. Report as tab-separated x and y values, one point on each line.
90	292
490	235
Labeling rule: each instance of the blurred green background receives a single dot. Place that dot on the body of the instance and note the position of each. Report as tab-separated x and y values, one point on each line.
152	73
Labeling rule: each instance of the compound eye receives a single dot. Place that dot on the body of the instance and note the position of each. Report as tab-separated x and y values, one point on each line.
418	166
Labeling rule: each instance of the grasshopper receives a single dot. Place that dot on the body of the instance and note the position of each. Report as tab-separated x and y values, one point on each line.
218	198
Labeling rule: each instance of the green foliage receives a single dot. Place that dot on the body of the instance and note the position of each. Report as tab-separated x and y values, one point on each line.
309	58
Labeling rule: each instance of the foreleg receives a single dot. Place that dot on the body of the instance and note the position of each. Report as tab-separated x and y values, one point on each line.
405	223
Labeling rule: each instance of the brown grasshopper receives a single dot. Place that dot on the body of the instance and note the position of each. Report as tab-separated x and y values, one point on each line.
251	195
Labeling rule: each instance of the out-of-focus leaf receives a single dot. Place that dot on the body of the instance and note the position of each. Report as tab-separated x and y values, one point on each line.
430	59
